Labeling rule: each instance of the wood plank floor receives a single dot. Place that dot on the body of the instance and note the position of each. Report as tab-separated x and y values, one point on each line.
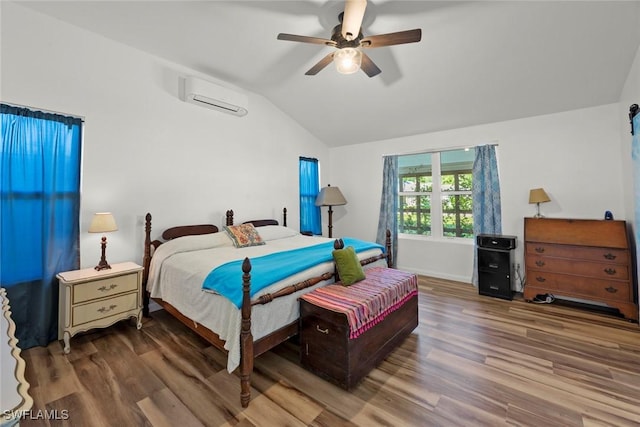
472	361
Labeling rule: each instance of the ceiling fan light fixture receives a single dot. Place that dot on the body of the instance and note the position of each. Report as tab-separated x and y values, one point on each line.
347	60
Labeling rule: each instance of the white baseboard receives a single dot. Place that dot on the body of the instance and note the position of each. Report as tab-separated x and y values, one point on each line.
437	274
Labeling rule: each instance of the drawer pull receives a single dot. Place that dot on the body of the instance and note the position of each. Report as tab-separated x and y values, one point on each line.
540	263
322	331
110	288
539	249
611	290
609	256
541	279
105	309
610	271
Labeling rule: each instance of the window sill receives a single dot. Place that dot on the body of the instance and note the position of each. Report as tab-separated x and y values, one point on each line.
454	240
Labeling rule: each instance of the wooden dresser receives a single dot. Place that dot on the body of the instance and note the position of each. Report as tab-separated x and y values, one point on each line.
589	260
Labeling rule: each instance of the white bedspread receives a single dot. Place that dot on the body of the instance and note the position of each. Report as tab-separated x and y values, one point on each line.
179	267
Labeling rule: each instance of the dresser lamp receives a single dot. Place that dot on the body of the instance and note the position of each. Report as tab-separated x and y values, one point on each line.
103	222
330	196
537	196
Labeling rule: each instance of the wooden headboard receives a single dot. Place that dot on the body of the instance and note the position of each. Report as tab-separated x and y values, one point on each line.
188	230
258	222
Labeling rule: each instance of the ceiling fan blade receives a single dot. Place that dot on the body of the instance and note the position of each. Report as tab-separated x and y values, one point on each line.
320	65
390	39
352	20
368	66
306	39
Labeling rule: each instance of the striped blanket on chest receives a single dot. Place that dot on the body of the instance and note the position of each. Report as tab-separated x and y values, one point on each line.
368	302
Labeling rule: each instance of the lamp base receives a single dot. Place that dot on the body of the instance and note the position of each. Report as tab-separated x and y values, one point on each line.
538	214
102	265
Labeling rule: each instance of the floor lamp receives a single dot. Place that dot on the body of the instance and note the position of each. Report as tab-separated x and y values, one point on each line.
330	196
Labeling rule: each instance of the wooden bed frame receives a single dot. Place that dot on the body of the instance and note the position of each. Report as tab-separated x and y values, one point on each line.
249	349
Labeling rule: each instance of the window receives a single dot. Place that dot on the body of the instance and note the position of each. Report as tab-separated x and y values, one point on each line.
435	194
310	218
40	155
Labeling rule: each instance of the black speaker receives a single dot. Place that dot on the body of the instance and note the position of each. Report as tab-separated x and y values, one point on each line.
496	265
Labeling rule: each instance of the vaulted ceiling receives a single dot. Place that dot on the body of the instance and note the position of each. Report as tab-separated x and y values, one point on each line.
478	62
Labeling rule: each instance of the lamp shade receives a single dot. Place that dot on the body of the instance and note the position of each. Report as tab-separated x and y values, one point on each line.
347	60
538	195
103	222
330	196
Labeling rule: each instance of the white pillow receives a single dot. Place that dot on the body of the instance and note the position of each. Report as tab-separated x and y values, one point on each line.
274	232
195	243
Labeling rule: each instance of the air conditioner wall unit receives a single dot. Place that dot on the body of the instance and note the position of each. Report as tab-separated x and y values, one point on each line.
215	97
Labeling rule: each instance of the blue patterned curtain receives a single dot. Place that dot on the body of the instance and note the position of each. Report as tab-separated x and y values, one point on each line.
487	216
39	215
310	217
635	155
389	205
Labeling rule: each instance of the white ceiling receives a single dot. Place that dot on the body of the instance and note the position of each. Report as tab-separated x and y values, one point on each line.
478	62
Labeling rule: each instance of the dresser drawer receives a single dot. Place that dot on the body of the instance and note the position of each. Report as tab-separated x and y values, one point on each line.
618	256
579	267
577	286
105	287
104	308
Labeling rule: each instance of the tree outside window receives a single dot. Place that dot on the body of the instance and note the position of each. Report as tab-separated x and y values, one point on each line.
427	177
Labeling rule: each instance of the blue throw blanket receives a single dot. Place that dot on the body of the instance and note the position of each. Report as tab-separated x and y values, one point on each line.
269	269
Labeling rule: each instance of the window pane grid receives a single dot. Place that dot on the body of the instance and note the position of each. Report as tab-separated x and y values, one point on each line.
452	174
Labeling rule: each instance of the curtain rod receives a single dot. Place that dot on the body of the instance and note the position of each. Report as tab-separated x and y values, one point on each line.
75	116
462	147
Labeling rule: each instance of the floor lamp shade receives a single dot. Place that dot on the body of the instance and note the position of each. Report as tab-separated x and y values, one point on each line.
103	222
330	196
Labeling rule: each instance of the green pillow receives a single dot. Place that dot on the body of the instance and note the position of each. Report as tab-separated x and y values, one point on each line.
348	265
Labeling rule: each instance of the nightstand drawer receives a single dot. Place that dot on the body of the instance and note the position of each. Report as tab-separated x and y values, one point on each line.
105	287
105	308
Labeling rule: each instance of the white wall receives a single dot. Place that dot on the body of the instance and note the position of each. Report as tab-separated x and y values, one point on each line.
574	156
144	149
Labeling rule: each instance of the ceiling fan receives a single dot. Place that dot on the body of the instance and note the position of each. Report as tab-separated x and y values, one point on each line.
348	39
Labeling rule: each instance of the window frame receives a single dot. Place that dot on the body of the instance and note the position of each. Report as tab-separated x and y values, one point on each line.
436	211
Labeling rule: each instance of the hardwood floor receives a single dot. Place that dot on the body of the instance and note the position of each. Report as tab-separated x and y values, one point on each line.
472	361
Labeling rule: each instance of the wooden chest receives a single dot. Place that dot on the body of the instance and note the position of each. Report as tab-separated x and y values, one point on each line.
328	351
582	259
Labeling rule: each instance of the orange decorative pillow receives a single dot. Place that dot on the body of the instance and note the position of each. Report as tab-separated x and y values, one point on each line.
244	235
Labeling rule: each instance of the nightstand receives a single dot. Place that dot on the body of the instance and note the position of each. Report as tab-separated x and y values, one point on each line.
96	299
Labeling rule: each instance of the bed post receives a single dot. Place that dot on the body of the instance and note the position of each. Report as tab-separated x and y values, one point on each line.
337	244
246	340
387	244
146	261
284	217
229	216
